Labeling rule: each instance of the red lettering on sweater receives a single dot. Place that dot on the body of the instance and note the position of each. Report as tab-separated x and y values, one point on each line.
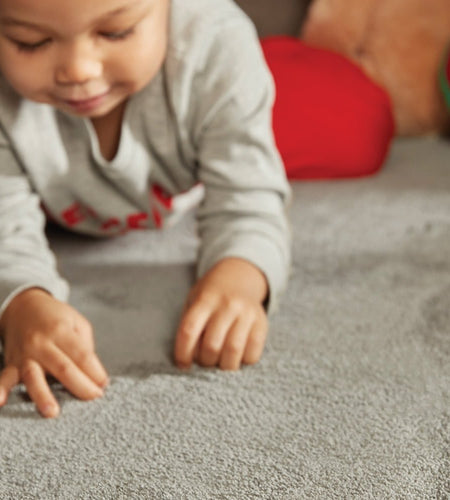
74	215
163	198
157	218
77	213
137	221
110	223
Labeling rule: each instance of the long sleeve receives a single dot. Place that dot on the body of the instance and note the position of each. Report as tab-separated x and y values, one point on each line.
25	258
246	191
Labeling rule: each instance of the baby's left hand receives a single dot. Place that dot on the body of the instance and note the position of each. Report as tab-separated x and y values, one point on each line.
224	322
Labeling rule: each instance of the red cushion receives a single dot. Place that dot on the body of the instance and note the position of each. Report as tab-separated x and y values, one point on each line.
330	120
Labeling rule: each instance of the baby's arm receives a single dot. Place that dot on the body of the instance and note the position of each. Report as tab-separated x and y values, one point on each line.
224	322
245	242
40	334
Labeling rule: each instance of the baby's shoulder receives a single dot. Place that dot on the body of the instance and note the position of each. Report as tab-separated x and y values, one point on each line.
205	22
204	10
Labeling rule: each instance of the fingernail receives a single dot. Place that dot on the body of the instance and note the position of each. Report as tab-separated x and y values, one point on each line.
50	411
99	393
105	383
2	396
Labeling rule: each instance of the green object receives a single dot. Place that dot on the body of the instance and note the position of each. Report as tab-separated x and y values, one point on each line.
444	78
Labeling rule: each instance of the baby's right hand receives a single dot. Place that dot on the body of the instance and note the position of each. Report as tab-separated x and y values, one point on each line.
43	335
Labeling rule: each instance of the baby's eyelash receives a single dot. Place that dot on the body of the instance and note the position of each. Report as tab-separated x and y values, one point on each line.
30	47
112	36
120	35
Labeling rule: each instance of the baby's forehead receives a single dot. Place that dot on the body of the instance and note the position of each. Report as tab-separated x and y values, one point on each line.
65	9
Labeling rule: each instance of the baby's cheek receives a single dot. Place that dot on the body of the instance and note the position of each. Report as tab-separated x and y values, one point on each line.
19	79
24	76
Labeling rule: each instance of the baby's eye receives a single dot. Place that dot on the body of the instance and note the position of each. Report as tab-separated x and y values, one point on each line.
117	35
31	47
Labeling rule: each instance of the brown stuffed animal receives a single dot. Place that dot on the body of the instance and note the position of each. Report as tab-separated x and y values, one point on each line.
398	43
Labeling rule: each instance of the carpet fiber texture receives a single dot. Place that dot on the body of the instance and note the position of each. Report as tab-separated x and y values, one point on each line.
351	398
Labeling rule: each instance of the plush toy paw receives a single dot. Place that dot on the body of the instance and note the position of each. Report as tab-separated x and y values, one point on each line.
398	43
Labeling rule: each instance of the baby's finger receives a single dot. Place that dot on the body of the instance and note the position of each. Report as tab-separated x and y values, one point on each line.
214	338
9	378
255	343
197	350
85	359
234	346
58	364
191	327
33	377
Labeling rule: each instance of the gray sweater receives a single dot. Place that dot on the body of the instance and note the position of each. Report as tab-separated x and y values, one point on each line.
199	133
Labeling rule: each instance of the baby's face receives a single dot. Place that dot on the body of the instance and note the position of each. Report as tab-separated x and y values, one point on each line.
84	57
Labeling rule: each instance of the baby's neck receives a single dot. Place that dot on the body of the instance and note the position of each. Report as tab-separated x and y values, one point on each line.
108	129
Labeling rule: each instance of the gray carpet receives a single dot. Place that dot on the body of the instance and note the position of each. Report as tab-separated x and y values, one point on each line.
351	399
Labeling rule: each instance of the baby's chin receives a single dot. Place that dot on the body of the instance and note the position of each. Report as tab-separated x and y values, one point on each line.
98	108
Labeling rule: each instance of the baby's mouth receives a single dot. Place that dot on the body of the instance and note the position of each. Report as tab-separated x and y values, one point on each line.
86	104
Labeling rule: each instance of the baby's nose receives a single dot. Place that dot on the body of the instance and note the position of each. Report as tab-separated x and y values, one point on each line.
79	65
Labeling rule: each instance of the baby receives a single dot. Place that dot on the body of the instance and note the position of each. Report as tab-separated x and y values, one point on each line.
122	114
